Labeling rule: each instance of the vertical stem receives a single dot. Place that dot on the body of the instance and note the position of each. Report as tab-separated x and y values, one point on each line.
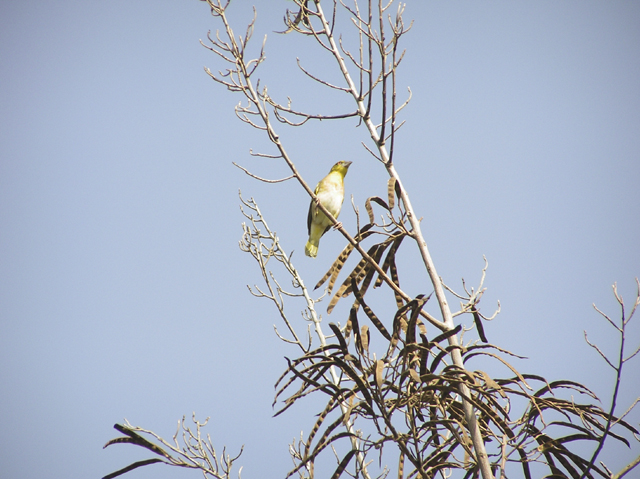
470	417
614	396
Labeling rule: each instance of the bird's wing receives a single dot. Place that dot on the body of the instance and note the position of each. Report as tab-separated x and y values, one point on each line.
310	214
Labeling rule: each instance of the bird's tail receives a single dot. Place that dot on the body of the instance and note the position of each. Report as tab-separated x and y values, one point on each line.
311	248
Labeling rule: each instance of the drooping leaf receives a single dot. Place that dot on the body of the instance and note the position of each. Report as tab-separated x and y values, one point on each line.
491	383
323	415
478	323
397	239
391	186
364	339
337	265
394	277
378	372
369	312
447	334
343	464
335	268
419	300
336	331
401	314
367	206
378	200
357	275
131	467
137	439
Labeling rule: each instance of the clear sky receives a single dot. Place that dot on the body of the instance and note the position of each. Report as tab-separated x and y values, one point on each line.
122	288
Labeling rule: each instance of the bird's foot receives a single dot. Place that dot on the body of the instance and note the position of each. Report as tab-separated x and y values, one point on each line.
337	225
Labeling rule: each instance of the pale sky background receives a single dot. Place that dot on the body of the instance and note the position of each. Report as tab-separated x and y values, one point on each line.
122	288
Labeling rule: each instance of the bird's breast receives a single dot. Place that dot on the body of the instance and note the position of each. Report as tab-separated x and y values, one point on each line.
332	196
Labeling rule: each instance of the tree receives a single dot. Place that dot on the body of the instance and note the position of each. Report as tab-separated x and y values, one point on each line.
403	383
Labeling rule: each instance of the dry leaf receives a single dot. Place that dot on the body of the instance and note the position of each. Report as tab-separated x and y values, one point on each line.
378	372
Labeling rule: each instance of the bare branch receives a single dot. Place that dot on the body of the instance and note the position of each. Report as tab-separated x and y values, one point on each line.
604	356
260	178
323	82
629	467
263	155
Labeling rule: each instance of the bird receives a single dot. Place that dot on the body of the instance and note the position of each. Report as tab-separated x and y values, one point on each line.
330	193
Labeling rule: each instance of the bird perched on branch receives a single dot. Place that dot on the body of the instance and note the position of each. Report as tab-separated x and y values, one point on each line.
330	193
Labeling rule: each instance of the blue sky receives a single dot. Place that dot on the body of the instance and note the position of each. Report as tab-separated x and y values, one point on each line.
122	288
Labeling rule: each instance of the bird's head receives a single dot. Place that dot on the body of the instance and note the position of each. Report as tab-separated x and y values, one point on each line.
341	167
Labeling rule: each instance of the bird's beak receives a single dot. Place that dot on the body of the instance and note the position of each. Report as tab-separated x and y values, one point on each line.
348	163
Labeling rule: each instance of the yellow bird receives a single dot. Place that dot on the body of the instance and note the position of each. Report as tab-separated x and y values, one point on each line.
330	193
